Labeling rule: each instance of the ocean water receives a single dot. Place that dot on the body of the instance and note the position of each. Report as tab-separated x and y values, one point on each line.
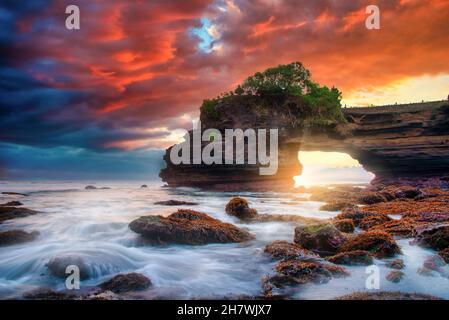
93	224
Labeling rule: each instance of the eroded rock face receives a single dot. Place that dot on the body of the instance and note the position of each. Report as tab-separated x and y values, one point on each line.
406	143
188	227
323	239
239	207
126	282
379	244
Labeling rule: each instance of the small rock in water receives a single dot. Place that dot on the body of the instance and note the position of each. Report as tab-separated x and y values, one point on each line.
434	263
90	188
395	276
16	236
239	207
58	265
144	186
176	203
15	194
353	258
323	238
7	213
11	204
425	272
283	250
126	282
188	227
397	264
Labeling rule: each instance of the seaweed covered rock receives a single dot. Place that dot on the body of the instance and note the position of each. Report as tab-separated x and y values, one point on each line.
433	236
352	258
408	192
403	227
16	236
397	264
126	282
395	276
372	198
335	206
283	250
372	221
239	207
379	244
344	225
324	239
188	227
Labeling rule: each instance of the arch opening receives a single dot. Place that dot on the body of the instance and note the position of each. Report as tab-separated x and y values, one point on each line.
326	168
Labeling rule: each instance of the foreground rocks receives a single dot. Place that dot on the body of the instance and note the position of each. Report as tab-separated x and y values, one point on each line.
11	204
395	276
283	250
126	282
58	265
387	295
379	244
433	236
239	207
353	258
176	203
16	237
188	227
323	239
7	213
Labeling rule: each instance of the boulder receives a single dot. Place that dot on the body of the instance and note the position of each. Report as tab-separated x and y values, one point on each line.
310	272
239	208
395	276
188	227
344	225
387	295
433	236
7	213
283	250
126	282
324	239
175	203
58	265
379	244
16	236
352	258
397	264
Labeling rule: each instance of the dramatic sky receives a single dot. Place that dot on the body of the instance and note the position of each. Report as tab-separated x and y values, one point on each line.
104	100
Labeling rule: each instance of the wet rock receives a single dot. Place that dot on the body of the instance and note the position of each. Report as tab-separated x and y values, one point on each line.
380	244
126	282
352	258
16	236
48	294
7	213
239	208
407	192
397	264
335	206
372	198
188	227
425	272
372	221
344	225
15	194
11	204
176	203
144	186
90	188
324	239
306	272
395	276
434	263
285	218
403	227
433	236
387	295
444	254
357	215
283	250
58	265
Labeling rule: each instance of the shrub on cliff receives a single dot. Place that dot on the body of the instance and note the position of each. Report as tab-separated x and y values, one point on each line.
320	106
